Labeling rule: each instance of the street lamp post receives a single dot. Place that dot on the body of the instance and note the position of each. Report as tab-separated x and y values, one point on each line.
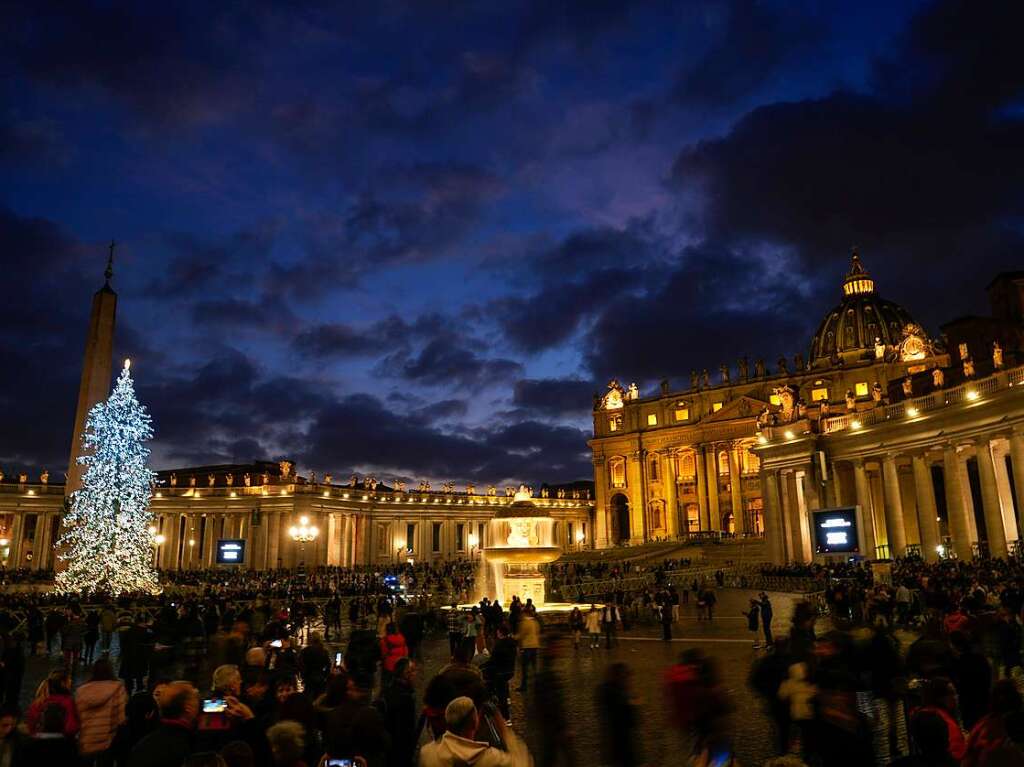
302	534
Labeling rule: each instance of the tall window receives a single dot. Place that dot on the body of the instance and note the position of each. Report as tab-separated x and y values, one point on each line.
435	537
617	470
692	517
460	530
723	463
569	531
751	461
652	419
410	536
687	468
654	470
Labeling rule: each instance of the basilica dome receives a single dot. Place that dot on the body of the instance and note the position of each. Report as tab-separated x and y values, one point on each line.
862	321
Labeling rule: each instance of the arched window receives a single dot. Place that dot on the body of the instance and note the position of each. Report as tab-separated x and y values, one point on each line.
723	463
653	473
657	515
687	469
617	471
751	462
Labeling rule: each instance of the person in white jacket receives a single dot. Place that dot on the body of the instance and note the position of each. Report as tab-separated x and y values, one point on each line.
457	747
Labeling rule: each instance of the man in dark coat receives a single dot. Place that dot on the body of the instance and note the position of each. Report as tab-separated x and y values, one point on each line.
170	743
399	709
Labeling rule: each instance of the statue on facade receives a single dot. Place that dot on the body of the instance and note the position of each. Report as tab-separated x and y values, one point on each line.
783	366
634	391
693	380
969	368
706	379
173	479
561	492
327	479
373	483
764	417
22	478
997	355
798	362
723	369
492	491
1	475
908	387
44	478
353	481
664	386
210	479
229	479
544	492
399	485
471	489
964	353
851	401
192	481
787	403
510	491
801	409
824	408
265	478
286	468
876	392
575	494
247	479
743	368
597	401
759	369
586	494
879	349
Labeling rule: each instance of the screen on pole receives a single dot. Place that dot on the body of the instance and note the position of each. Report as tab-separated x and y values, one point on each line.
835	531
230	551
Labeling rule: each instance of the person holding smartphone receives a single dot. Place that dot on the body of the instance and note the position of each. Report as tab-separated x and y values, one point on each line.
457	746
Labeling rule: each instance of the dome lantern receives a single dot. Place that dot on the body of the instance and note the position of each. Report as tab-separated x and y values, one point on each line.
858	282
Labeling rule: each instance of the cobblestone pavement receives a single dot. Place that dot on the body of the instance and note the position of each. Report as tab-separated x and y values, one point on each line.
726	639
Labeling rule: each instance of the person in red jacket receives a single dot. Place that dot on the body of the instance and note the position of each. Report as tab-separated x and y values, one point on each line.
392	647
58	692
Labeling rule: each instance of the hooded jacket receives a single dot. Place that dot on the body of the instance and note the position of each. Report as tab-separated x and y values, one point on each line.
392	647
452	750
101	709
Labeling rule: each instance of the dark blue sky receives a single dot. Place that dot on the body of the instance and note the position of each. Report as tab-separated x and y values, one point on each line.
414	238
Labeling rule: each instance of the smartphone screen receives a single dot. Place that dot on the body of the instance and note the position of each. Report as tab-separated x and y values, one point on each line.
339	763
214	706
277	643
337	659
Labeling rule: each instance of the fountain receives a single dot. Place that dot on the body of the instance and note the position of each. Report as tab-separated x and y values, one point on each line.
517	541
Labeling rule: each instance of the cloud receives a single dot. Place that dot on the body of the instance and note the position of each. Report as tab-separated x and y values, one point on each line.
36	141
342	340
447	362
553	396
386	442
752	42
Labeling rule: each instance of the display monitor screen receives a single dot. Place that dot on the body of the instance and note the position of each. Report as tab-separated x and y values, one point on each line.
231	551
835	531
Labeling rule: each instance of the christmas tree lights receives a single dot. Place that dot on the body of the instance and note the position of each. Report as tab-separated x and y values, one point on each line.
106	544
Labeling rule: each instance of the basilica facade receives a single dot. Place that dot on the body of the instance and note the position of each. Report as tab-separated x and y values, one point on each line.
926	436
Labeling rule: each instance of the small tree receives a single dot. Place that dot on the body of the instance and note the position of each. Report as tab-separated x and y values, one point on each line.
106	545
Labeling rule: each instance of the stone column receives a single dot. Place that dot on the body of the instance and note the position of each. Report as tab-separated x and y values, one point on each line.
43	551
273	539
14	536
736	489
895	531
668	478
773	531
990	500
601	511
711	465
702	485
959	526
637	497
860	482
1017	460
1000	452
927	514
790	536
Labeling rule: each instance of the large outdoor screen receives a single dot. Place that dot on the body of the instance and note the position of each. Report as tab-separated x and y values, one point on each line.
231	551
835	531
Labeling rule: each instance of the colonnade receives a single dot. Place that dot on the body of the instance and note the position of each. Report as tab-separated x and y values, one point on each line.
919	496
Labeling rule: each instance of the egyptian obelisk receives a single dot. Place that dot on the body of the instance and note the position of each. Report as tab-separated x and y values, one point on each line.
96	368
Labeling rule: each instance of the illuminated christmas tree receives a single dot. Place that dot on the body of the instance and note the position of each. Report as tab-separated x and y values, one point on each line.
106	544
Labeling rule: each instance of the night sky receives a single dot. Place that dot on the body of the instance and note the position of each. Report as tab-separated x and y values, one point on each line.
414	238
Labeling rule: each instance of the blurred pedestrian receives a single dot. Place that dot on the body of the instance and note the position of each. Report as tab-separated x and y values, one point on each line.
619	717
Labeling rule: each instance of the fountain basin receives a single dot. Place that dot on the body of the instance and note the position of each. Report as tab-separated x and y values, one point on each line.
532	555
